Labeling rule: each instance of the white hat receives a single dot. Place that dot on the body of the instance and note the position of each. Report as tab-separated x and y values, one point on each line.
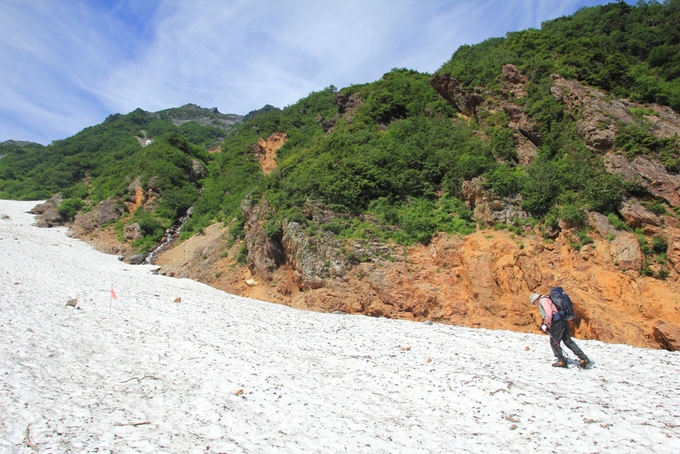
534	297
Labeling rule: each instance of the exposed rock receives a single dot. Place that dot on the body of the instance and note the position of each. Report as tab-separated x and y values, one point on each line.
480	280
668	335
83	224
204	258
666	123
152	187
451	90
314	259
527	151
197	170
251	282
18	143
135	185
531	272
265	253
597	123
650	174
265	150
202	116
522	124
670	221
107	211
600	223
637	216
136	259
347	103
318	212
47	214
513	75
514	81
489	208
674	248
626	252
601	114
326	124
133	232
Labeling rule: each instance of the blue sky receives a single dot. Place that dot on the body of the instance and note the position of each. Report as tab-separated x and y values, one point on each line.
68	64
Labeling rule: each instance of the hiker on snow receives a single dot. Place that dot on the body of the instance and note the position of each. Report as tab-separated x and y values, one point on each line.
556	325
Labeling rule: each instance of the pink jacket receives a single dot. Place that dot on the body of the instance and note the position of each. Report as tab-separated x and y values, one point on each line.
548	310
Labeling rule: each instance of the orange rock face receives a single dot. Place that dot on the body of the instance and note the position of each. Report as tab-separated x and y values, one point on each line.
482	280
265	150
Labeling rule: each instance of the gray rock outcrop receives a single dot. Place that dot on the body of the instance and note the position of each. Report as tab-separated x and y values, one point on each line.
453	91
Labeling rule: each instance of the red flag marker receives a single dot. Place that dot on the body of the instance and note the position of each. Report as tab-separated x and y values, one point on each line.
113	295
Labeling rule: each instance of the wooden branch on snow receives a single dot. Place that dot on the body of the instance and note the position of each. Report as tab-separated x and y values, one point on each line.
140	379
141	423
27	437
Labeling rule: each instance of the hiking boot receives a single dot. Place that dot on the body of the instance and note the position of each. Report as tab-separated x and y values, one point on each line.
560	363
584	363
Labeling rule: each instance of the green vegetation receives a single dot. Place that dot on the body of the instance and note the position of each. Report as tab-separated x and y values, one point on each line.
102	161
388	158
629	51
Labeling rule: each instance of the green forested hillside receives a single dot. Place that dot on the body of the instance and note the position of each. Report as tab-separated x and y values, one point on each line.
36	172
390	157
629	51
403	158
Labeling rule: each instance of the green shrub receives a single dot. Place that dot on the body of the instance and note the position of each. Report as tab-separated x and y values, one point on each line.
69	208
617	222
573	214
272	229
659	245
644	243
242	256
584	238
662	274
656	207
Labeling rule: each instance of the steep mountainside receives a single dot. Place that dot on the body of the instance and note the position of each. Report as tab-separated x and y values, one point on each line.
546	157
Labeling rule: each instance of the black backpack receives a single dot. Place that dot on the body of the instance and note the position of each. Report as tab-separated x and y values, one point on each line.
562	302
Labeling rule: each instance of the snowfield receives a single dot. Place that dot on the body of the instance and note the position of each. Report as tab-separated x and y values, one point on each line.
220	373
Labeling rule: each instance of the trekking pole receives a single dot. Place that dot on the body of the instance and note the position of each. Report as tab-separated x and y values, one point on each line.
552	339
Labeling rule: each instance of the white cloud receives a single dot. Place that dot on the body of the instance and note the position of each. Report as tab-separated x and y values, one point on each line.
67	65
54	53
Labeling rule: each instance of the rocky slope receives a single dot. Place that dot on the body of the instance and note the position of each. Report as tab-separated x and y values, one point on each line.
482	280
624	293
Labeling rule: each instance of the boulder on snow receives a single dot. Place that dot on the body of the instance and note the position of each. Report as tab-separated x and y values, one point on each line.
107	211
136	259
47	214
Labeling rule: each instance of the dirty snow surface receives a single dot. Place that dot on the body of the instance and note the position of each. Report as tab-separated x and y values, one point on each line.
220	373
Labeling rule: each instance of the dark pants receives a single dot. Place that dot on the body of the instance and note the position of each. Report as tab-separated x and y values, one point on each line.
559	332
